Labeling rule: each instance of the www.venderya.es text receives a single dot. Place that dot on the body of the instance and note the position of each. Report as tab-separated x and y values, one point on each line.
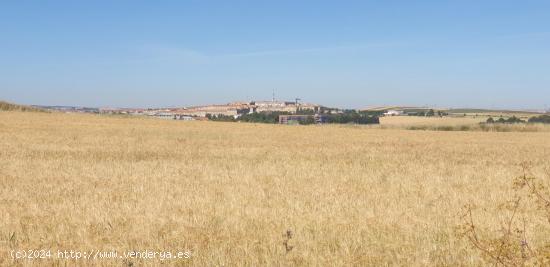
46	254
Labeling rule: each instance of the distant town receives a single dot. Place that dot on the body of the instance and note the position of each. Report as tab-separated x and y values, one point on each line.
273	111
284	112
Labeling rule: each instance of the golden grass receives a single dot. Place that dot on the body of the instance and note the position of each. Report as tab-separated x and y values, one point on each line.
401	121
229	192
6	106
468	123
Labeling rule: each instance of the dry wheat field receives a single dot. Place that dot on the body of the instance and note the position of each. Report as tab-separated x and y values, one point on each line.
237	194
400	121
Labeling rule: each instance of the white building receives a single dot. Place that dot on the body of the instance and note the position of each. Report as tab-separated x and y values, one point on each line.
394	113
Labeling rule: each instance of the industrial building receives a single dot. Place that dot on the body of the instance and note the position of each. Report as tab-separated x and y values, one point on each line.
296	119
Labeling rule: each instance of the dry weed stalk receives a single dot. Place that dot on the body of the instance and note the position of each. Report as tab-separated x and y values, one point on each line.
512	247
287	236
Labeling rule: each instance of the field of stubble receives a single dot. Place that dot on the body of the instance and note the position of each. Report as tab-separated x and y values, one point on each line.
230	192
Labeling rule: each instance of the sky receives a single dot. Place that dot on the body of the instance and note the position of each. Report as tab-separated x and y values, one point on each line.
349	54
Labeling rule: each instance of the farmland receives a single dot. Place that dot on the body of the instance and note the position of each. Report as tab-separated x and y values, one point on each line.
238	194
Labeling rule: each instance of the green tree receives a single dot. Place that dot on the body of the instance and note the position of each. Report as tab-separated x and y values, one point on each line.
308	120
540	119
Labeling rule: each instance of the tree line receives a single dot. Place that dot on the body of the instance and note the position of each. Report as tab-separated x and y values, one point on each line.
514	119
348	116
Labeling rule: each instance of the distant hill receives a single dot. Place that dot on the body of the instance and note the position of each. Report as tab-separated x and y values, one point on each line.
451	110
6	106
403	108
474	110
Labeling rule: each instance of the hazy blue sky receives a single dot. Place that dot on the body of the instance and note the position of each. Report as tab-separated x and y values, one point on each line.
340	53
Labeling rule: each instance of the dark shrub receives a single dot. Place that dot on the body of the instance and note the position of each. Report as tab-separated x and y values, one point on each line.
540	119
